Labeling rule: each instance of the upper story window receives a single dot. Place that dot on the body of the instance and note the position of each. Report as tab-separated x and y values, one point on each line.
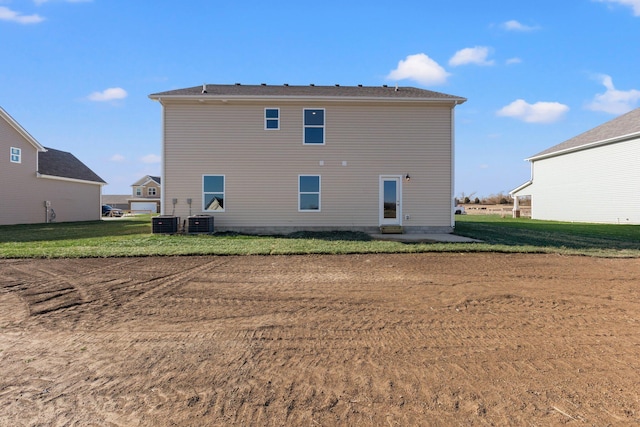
138	191
313	126
213	193
272	118
151	191
16	155
308	193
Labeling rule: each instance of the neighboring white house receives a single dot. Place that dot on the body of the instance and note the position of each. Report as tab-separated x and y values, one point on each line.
274	159
39	184
593	177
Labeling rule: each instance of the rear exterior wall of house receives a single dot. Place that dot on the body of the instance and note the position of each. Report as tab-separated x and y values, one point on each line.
261	168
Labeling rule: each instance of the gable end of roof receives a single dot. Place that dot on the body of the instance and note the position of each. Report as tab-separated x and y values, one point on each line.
620	129
22	131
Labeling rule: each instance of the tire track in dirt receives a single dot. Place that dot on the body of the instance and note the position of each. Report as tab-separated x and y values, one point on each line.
357	340
47	289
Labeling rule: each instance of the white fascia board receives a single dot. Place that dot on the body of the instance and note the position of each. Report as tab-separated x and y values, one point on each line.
62	178
520	188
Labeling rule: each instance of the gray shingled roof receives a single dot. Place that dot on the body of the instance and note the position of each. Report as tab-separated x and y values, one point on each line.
337	91
65	165
627	124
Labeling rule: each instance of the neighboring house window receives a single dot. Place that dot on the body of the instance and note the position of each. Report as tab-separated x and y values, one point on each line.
272	118
308	193
313	126
138	191
151	191
16	155
213	192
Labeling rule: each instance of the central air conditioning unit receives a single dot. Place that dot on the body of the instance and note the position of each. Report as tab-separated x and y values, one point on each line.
164	224
201	224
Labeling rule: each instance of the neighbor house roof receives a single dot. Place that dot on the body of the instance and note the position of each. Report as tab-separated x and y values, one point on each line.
60	164
145	179
240	91
619	129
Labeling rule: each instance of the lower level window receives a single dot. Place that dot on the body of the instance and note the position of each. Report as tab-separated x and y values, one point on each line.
309	193
213	192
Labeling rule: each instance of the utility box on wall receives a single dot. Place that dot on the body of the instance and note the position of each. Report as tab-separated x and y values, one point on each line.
201	224
164	224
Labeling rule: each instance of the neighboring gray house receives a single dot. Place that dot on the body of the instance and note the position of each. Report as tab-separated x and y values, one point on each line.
274	159
593	177
40	184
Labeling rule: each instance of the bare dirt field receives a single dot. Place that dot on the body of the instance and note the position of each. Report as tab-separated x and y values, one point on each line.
384	340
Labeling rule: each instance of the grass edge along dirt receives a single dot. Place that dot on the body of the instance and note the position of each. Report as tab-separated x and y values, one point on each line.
132	236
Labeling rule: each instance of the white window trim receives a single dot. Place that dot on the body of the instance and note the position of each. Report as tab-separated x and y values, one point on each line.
265	118
319	193
224	192
323	127
155	191
138	191
18	154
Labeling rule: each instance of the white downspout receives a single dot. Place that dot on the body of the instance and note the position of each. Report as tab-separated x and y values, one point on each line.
453	164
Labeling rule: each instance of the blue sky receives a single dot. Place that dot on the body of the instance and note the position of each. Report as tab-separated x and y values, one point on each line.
76	74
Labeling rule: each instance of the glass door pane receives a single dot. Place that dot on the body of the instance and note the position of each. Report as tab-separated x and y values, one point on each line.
390	199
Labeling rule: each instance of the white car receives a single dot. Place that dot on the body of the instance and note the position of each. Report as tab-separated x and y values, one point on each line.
459	210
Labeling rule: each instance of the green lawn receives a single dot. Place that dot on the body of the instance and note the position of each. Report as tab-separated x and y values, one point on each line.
133	237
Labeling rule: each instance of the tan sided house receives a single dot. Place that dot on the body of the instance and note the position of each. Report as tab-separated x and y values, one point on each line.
40	184
146	195
276	159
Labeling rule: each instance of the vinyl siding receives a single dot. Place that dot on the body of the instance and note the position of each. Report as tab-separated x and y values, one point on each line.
599	185
261	167
22	193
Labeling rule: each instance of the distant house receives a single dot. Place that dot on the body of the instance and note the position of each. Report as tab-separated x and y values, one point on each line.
146	195
40	184
593	177
274	159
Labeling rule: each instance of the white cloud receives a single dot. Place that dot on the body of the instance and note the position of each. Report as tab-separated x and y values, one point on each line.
119	158
614	101
151	158
110	94
514	25
7	14
540	112
515	60
421	68
471	55
634	4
